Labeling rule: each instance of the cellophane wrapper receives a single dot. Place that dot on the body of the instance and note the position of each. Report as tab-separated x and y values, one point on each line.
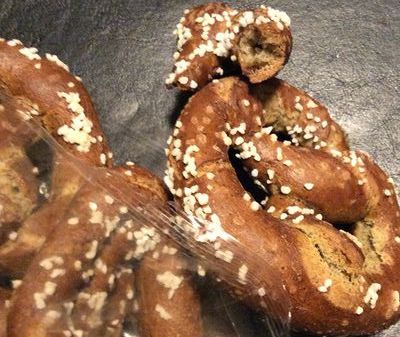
217	283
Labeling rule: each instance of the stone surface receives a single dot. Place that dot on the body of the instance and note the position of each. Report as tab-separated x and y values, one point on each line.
345	53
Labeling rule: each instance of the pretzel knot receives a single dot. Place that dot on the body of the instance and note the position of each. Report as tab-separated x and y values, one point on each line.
326	218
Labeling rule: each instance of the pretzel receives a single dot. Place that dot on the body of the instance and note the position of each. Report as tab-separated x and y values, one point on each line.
307	123
259	41
72	260
352	275
16	255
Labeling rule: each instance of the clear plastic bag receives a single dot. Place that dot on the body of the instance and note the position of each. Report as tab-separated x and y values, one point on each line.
79	241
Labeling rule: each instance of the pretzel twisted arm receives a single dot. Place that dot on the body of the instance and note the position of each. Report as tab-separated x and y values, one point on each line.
258	40
301	117
166	295
81	281
306	122
77	270
18	184
117	311
42	295
321	266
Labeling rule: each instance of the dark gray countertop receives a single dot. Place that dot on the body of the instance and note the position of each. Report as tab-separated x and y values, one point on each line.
345	53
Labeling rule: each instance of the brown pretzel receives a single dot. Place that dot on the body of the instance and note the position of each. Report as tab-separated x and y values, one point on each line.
74	251
258	40
18	183
353	277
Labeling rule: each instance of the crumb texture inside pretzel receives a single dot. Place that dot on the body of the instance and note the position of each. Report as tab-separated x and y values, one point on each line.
255	52
258	40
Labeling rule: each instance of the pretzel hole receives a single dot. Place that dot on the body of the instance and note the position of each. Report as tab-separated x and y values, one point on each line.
257	51
230	67
5	282
282	136
245	178
349	228
41	155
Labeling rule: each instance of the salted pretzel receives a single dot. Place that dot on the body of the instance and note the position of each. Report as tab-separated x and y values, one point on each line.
29	231
338	281
258	40
72	258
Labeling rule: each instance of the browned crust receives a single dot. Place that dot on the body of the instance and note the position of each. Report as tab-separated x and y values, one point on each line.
32	230
18	182
16	255
18	188
305	252
29	320
20	100
119	305
259	41
119	293
39	90
291	111
67	180
342	202
307	123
